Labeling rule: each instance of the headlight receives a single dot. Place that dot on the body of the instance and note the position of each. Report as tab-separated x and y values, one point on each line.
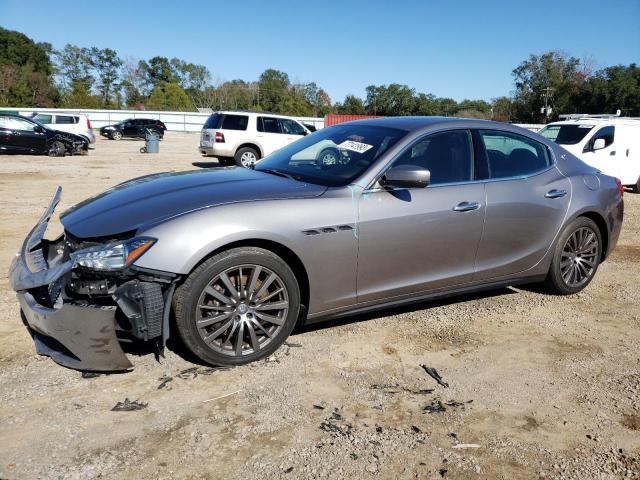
112	256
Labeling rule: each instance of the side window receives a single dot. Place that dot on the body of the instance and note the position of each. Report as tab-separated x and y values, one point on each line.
19	124
235	122
447	155
42	118
65	119
512	155
290	127
606	132
268	125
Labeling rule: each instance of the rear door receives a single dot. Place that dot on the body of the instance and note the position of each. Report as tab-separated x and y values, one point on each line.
527	200
65	123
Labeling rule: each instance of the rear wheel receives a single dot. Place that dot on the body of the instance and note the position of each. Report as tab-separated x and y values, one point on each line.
576	257
246	157
238	306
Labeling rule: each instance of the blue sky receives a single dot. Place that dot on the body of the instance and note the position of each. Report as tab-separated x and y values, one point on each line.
459	49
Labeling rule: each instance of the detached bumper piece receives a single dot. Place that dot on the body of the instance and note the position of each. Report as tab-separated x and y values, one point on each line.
76	317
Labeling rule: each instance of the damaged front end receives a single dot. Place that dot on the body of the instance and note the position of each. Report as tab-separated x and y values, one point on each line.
81	298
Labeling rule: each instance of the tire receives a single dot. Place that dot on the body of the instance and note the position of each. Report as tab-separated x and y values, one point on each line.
576	257
328	156
238	313
116	135
636	188
57	149
246	157
226	161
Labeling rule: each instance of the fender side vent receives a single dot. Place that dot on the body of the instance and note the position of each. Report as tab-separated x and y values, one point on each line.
311	232
329	230
344	228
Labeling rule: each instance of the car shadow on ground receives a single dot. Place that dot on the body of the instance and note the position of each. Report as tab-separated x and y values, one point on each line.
413	307
210	164
176	345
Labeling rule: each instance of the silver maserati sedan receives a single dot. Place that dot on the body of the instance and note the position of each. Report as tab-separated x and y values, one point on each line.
352	218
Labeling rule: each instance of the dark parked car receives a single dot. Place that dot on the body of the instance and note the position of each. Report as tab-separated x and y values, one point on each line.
411	209
133	128
23	135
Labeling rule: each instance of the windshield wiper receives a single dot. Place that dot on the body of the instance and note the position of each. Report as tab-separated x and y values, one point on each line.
273	171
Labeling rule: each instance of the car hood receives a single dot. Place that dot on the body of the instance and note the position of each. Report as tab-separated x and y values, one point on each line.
145	201
60	135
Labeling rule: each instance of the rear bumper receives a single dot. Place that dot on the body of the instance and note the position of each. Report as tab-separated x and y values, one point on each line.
75	335
215	150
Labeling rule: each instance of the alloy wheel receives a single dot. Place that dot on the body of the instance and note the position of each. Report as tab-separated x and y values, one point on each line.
248	159
242	310
579	257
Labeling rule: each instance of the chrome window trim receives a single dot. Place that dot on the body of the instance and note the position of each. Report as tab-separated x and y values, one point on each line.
371	188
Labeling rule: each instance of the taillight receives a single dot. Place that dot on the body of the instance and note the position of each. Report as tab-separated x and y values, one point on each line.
219	138
88	124
620	187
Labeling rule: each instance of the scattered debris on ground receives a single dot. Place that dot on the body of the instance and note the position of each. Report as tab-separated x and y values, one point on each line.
129	406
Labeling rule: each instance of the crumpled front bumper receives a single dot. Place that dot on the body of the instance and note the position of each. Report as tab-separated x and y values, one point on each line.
74	335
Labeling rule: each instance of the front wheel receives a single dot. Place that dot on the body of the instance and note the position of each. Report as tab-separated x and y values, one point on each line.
576	257
116	135
57	149
246	157
238	306
636	188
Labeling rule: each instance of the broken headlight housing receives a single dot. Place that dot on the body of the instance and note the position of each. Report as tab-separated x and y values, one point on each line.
112	256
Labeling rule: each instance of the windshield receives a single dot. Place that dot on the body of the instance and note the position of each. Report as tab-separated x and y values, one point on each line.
565	134
333	156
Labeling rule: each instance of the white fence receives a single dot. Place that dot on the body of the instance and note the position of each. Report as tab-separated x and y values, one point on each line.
176	121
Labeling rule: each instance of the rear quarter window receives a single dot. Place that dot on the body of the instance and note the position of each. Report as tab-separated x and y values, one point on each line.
66	119
234	122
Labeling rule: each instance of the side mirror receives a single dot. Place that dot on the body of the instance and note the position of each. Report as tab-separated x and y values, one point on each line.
598	144
39	129
406	176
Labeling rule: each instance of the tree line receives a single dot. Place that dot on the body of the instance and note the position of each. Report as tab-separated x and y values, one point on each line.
37	75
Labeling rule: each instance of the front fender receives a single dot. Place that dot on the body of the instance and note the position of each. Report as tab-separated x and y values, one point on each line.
329	254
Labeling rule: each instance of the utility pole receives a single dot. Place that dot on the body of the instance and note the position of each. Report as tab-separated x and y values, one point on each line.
547	95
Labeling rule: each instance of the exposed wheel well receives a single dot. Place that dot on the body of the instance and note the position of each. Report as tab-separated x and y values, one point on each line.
251	145
604	231
283	252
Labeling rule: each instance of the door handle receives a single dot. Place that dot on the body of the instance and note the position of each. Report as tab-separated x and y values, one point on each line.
555	193
466	206
613	153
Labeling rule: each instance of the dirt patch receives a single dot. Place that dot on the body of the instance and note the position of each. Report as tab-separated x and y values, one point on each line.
626	253
631	421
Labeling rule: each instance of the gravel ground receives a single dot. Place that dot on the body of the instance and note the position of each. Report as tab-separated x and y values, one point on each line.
539	386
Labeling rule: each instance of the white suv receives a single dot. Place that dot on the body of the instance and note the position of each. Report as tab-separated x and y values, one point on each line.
609	143
67	122
243	138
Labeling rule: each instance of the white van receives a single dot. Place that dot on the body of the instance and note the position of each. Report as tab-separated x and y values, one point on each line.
609	143
243	138
67	122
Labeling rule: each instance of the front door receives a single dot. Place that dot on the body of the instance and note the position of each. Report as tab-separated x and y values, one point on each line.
270	135
421	239
604	159
23	137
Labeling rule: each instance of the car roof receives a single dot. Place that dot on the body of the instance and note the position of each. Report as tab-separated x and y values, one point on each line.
411	124
598	121
241	112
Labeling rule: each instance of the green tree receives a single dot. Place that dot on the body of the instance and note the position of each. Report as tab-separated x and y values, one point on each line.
352	105
274	89
554	70
392	100
610	89
78	95
169	96
74	64
502	109
25	72
107	65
